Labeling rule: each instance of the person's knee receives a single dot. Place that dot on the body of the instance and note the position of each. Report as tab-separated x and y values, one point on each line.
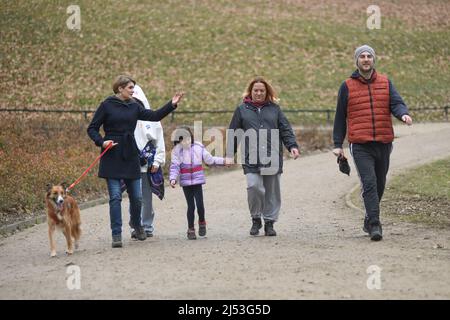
115	198
369	185
136	200
254	186
191	204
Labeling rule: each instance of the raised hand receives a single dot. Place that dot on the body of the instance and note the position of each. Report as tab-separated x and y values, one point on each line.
177	97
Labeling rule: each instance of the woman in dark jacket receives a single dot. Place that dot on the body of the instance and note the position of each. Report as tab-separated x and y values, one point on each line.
260	125
118	114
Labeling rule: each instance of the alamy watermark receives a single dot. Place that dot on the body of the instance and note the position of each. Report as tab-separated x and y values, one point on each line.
74	20
73	280
374	280
374	20
257	147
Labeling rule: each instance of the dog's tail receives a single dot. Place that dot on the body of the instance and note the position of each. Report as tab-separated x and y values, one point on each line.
76	220
76	231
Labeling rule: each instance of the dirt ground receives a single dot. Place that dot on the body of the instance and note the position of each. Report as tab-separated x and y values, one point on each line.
320	252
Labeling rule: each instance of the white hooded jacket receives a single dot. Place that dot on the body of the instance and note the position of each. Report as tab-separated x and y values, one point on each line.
149	131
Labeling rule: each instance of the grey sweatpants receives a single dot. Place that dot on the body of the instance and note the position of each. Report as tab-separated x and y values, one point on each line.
264	196
147	213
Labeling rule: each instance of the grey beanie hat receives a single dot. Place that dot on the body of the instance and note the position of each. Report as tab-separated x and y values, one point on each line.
362	49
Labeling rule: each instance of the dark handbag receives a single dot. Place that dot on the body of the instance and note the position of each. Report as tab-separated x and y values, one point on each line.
147	154
156	181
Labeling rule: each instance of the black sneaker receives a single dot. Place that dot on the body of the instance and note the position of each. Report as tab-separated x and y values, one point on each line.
149	234
133	235
191	234
117	241
140	233
257	224
202	228
376	232
268	229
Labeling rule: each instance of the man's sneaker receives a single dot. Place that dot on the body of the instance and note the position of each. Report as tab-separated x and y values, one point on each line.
191	234
268	229
140	233
202	228
149	234
117	241
257	224
376	232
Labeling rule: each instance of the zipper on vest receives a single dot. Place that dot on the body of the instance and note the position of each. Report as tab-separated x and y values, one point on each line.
371	109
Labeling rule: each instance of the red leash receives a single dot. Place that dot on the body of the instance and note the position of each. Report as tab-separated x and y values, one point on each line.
90	167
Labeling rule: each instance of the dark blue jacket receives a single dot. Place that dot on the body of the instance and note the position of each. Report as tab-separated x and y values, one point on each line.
119	119
251	119
396	104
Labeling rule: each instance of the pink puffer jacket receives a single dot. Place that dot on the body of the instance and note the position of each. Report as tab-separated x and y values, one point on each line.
187	163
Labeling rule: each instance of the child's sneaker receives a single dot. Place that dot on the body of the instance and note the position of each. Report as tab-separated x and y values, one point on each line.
191	234
202	228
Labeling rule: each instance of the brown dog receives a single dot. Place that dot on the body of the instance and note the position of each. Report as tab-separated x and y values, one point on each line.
62	213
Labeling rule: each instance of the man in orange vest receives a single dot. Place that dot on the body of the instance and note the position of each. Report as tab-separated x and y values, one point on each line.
365	103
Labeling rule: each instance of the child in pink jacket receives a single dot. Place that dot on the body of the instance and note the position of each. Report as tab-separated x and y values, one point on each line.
187	159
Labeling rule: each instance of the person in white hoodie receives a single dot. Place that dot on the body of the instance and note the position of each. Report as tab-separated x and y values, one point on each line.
148	131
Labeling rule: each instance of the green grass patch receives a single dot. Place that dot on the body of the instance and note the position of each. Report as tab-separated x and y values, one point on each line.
211	49
419	195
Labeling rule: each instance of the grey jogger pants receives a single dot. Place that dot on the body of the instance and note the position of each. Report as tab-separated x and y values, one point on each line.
147	213
264	196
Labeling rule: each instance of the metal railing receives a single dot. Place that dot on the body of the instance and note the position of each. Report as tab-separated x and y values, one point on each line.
85	112
328	112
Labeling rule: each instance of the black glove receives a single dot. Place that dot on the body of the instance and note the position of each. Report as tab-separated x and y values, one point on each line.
343	164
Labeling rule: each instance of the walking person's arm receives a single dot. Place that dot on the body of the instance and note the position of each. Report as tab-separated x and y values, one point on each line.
174	169
340	120
287	135
158	115
210	160
398	106
232	139
160	155
93	129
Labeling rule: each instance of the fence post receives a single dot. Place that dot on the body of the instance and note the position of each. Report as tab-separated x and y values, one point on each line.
172	116
446	112
328	116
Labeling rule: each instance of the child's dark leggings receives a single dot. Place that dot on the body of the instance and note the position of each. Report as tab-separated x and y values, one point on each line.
191	193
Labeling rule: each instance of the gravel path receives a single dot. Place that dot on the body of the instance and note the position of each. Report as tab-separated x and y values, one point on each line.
320	251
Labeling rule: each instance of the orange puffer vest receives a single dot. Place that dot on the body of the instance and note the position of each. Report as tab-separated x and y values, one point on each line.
368	110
